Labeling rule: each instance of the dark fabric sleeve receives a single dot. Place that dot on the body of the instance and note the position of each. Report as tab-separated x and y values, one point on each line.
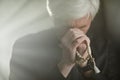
55	74
110	70
93	76
103	77
99	76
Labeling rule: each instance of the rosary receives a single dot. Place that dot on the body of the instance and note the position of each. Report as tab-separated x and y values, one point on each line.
91	62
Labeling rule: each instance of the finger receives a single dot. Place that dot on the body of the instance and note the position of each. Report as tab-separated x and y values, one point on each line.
71	35
82	48
77	42
85	55
76	33
87	40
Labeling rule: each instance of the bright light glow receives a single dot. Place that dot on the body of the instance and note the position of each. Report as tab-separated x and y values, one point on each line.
49	11
17	19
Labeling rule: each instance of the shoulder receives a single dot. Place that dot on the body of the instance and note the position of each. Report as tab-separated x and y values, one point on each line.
45	38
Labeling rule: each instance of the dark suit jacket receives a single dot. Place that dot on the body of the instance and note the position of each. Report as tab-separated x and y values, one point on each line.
35	57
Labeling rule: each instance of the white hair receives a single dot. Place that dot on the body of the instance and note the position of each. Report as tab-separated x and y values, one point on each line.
72	9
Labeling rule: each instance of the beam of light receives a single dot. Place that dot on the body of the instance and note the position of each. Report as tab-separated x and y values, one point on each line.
17	19
48	9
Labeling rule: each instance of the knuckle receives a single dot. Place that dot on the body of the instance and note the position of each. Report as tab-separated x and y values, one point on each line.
87	39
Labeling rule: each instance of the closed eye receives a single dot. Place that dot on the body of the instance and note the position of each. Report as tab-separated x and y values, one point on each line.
82	27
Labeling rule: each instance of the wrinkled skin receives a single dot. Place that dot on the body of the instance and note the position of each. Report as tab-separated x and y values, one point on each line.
74	39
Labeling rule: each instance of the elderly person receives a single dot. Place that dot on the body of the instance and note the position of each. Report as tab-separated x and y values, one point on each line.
38	56
77	16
